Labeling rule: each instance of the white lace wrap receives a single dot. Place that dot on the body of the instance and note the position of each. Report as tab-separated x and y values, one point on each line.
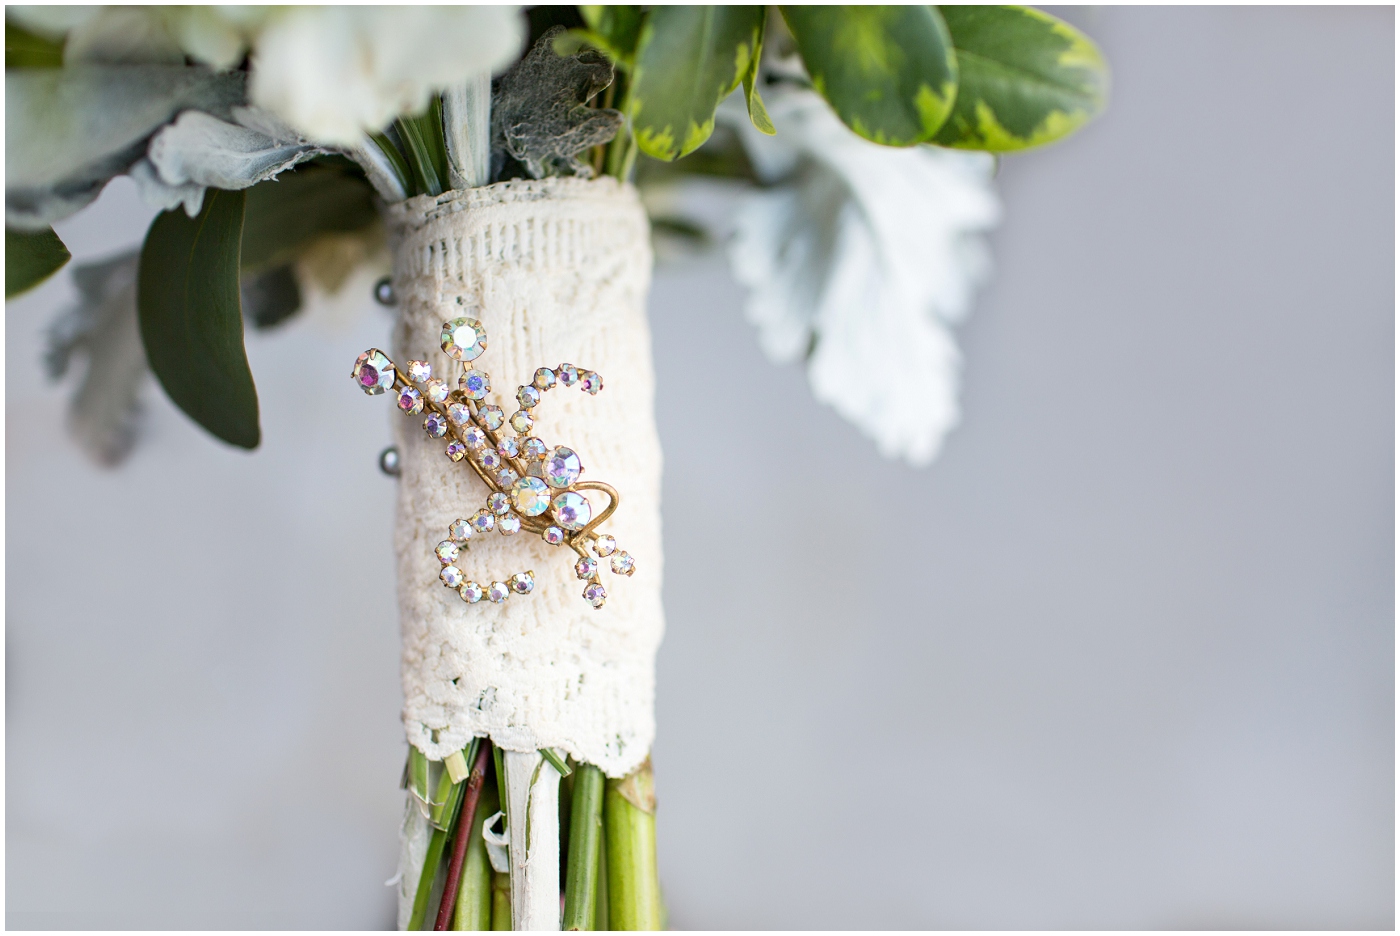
557	271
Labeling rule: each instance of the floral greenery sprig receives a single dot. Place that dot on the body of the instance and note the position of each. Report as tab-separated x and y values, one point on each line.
994	79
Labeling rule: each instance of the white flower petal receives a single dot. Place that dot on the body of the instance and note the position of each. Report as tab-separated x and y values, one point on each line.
335	73
215	36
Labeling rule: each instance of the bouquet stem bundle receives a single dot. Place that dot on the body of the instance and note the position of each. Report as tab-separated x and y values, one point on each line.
605	829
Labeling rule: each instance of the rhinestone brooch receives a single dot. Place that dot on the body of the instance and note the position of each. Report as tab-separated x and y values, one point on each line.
532	487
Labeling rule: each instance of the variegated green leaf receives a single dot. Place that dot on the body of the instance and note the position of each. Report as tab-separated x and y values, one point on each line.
1027	79
614	29
889	71
689	58
758	114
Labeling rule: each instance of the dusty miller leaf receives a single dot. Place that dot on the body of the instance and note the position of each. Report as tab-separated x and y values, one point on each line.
540	114
104	411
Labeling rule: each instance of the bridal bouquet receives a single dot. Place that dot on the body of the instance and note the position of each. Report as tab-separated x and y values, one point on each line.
507	161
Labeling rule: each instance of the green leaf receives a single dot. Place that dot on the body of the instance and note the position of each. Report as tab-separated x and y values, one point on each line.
24	49
187	301
689	58
758	114
889	71
612	29
30	258
287	213
1027	79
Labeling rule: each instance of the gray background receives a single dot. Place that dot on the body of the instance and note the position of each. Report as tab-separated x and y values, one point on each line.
1123	657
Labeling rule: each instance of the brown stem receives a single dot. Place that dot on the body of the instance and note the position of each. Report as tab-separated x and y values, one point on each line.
459	843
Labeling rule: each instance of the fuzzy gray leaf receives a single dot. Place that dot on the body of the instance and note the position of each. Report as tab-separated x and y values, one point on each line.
103	414
540	113
69	130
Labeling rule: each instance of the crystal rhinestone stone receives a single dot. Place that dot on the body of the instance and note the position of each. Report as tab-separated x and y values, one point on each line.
544	378
571	510
498	504
506	478
483	521
622	563
531	496
451	576
604	546
463	339
491	460
596	595
491	416
522	421
528	396
456	450
410	401
471	592
475	384
436	390
568	375
460	531
458	414
419	371
561	467
446	552
553	535
535	469
586	567
509	525
475	439
533	448
591	382
498	592
373	372
435	425
522	583
508	447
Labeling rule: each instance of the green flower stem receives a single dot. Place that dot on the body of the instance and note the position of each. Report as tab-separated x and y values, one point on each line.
500	901
622	151
401	169
419	156
585	828
600	903
629	819
461	837
558	762
449	798
474	899
425	880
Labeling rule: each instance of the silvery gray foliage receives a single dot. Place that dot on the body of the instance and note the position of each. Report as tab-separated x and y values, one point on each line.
69	130
104	412
199	151
540	114
859	261
105	409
